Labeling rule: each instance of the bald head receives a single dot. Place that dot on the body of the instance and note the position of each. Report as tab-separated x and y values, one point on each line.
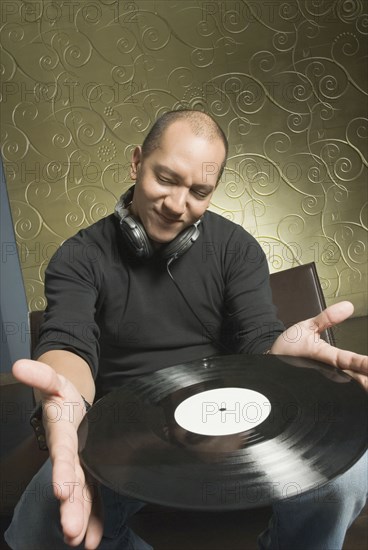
201	124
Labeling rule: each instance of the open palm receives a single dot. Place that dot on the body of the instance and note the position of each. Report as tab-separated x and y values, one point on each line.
63	410
303	340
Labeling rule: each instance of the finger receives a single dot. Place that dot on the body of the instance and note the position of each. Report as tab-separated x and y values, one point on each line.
93	523
63	454
343	359
75	508
38	375
82	515
94	530
333	315
68	479
352	361
62	439
362	379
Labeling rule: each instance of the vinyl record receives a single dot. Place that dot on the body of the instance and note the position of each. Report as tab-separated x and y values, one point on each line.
227	432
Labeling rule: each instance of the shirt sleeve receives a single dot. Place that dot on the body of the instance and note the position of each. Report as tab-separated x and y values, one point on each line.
71	289
250	321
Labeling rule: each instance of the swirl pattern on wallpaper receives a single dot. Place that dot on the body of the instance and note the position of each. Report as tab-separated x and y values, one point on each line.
287	81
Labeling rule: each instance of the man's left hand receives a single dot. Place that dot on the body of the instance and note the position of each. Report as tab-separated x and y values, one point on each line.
303	340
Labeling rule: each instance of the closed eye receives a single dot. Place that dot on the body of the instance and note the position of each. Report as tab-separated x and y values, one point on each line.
202	191
164	180
200	194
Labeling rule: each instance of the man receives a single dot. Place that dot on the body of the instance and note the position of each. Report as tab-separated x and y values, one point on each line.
124	298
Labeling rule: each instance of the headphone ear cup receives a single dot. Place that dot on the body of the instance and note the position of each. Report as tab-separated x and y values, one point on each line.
181	243
135	237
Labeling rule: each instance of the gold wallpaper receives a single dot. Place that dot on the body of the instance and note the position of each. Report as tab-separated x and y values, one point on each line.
82	81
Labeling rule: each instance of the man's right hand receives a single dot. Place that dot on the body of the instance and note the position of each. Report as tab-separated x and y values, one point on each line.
63	411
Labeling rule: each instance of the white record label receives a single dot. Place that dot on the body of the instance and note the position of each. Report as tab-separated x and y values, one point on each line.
223	411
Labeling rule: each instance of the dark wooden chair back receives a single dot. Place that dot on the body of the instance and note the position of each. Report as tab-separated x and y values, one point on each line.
297	294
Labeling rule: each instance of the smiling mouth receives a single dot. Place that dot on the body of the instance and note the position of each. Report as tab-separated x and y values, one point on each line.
170	221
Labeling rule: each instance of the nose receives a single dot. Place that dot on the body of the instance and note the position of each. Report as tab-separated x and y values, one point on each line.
176	200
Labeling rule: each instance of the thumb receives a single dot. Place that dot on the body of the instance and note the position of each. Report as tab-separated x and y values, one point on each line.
38	375
332	315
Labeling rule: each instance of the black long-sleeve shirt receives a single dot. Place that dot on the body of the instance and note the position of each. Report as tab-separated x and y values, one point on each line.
127	316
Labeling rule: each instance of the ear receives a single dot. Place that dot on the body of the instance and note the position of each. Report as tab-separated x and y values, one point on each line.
135	163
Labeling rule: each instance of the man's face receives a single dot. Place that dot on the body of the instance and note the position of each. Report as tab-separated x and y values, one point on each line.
175	183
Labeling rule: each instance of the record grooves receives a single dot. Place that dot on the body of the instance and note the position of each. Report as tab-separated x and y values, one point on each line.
308	426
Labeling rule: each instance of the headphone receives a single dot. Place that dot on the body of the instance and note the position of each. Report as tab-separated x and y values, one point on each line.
137	240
